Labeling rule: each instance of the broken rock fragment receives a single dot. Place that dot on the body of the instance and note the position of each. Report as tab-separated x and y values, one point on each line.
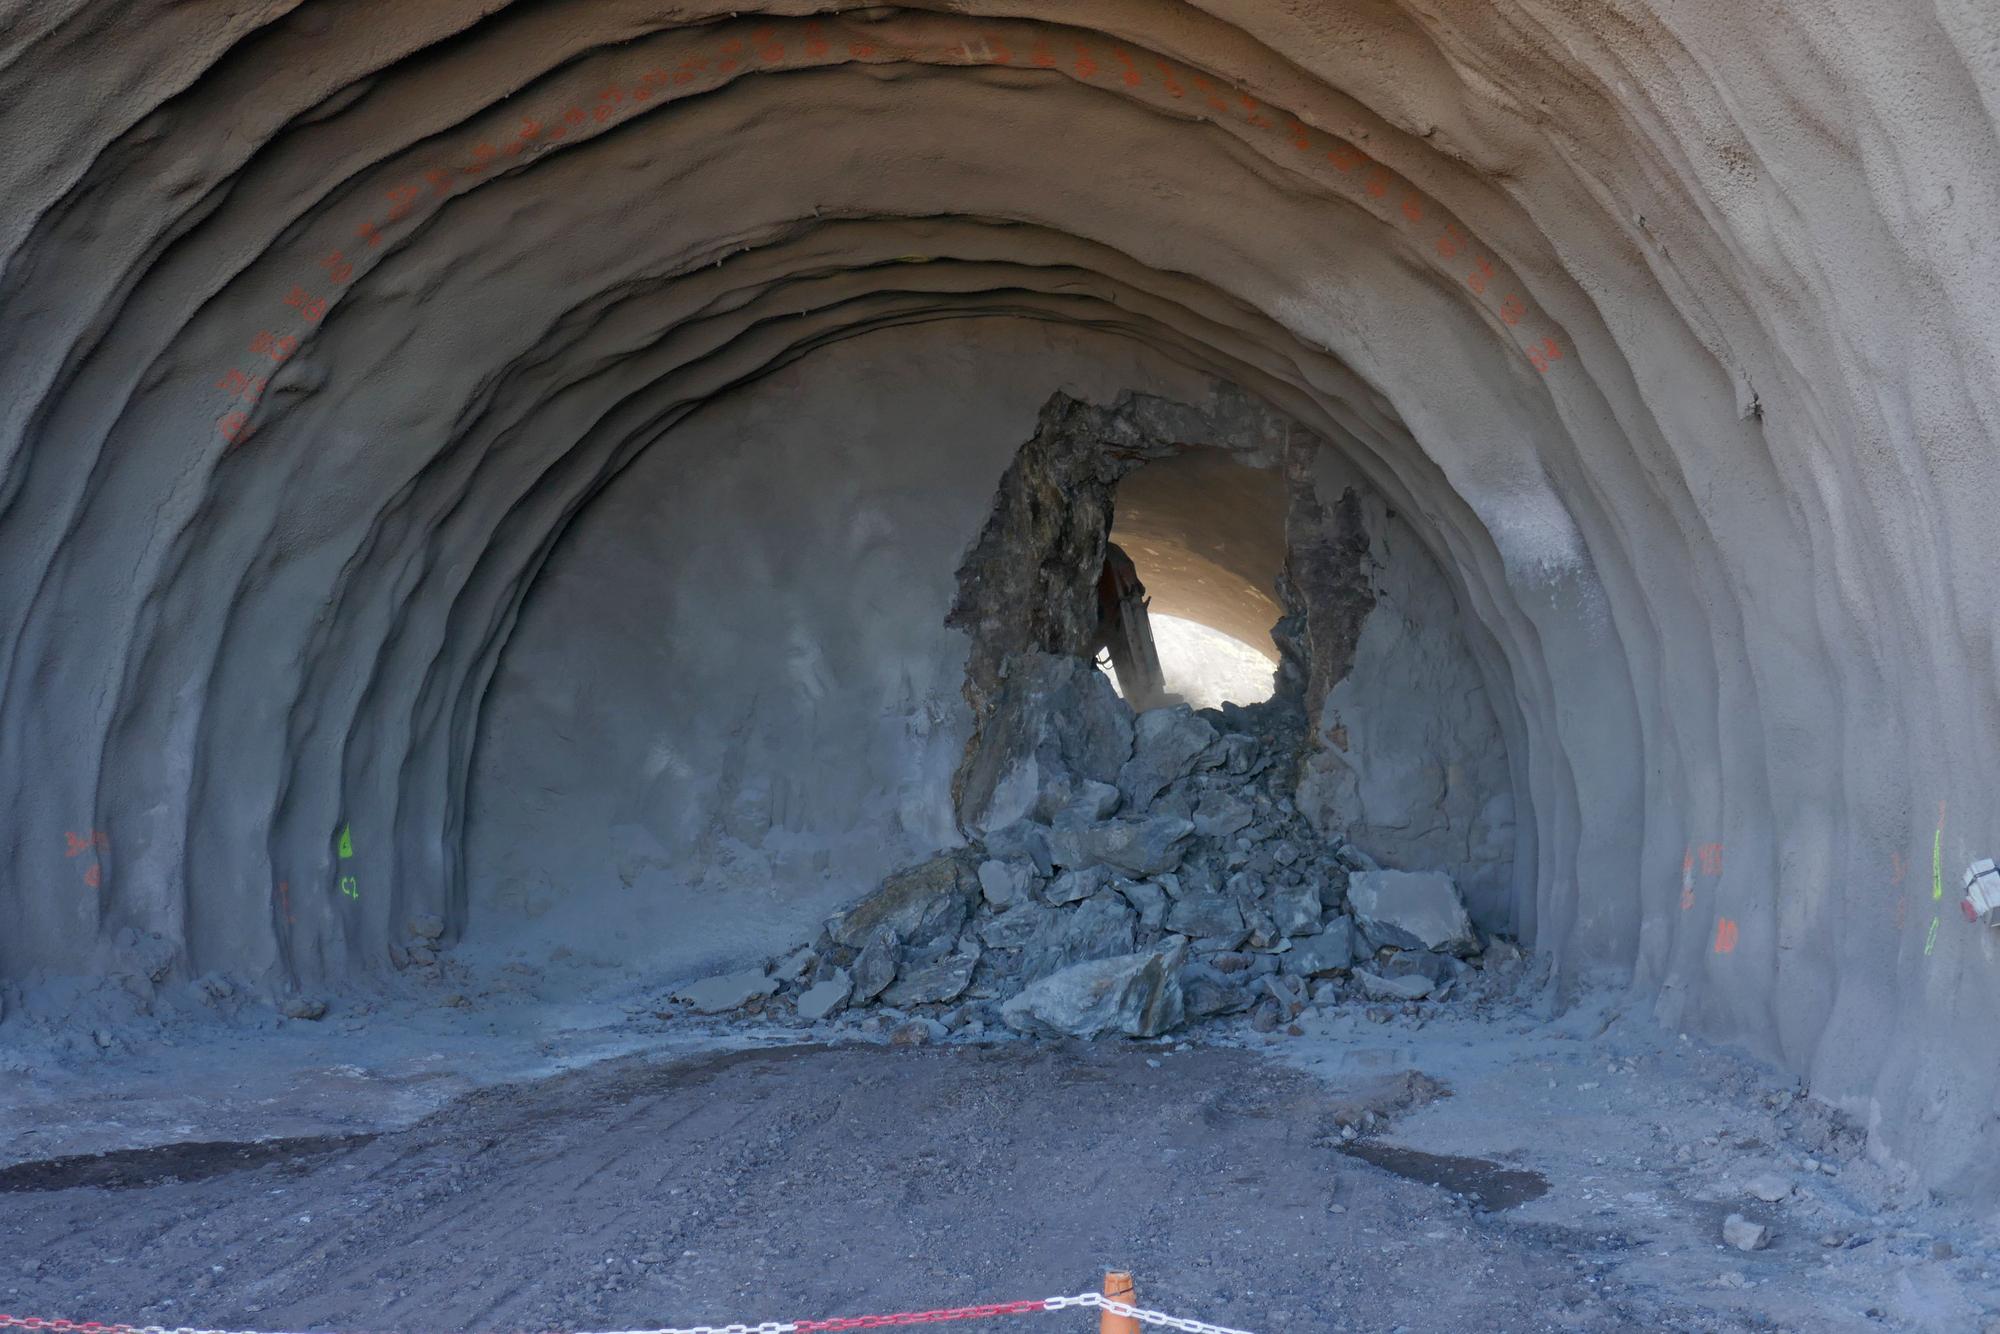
1212	918
1745	1235
1331	951
1138	995
1411	910
730	991
926	903
1167	744
933	983
876	968
1136	847
826	998
1407	987
1002	883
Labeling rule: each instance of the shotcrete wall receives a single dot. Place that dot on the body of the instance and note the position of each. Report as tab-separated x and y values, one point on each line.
1667	328
1406	757
732	703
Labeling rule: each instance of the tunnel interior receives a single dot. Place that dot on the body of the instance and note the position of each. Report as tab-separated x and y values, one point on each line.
516	466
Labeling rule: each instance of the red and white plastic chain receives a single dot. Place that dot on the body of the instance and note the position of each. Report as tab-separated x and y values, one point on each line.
1085	1300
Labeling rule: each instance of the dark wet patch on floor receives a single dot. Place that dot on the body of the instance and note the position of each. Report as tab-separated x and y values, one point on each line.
129	1169
1486	1183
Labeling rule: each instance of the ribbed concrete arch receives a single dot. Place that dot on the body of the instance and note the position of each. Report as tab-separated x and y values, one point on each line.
1665	328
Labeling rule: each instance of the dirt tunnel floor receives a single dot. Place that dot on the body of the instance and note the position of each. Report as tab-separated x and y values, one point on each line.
812	1180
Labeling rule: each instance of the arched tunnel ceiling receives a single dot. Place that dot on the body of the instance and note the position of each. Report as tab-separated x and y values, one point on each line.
1668	327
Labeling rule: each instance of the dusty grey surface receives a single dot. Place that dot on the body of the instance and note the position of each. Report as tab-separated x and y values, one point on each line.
1728	556
772	1176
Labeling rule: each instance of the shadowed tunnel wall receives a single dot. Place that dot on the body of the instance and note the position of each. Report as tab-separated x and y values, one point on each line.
1666	329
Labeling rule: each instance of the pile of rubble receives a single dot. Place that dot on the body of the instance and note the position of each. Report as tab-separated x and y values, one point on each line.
1189	888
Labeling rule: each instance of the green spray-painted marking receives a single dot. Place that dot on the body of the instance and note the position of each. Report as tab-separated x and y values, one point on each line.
1930	941
1937	864
347	840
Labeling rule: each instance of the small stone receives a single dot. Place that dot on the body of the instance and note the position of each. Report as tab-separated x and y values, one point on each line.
1002	884
1240	752
1408	987
729	991
1265	1019
1284	852
457	1000
1768	1187
427	927
1331	951
1090	802
915	1033
1290	1002
1148	900
1745	1235
1023	838
1077	885
304	1007
1942	1250
793	966
825	999
1207	994
1220	814
1263	931
1833	1240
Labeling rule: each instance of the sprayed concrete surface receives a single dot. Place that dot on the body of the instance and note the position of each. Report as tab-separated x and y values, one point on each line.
488	476
1458	1168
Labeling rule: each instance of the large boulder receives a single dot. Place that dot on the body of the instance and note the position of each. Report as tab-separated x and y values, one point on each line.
1139	848
1167	744
926	903
1138	995
1056	725
1411	910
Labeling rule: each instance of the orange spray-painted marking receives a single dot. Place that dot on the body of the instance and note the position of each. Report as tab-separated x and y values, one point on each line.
1725	936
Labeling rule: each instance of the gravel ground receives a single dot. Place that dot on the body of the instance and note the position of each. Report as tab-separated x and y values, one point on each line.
1512	1172
814	1181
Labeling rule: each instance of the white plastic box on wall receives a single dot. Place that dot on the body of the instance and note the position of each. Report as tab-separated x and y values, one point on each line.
1982	893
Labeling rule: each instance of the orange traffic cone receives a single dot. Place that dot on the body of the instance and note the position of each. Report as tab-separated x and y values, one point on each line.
1118	1287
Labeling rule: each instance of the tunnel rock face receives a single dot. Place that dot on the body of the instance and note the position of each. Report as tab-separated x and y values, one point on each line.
398	402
